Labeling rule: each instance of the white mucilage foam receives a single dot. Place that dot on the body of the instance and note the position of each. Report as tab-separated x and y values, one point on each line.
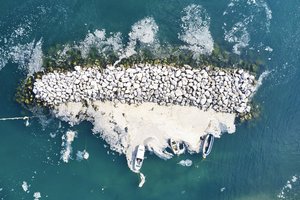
185	163
143	31
15	46
37	195
28	56
67	140
290	188
101	42
36	59
238	35
238	32
195	30
25	186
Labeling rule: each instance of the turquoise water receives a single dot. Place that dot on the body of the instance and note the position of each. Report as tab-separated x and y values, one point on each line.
254	163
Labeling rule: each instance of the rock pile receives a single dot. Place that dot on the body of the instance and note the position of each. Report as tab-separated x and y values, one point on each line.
218	89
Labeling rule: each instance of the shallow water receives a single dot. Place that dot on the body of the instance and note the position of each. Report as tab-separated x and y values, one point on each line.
254	163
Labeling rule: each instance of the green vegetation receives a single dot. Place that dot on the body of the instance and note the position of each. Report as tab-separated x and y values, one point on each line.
25	95
56	58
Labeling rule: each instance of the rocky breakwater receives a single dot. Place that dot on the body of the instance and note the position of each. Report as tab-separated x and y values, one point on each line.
222	90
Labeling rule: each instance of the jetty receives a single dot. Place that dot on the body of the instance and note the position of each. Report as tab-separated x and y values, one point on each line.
207	88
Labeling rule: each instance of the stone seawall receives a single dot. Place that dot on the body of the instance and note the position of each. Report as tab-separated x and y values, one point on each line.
222	90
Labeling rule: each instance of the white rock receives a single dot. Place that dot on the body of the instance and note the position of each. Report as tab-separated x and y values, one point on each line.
245	75
189	72
144	80
240	109
118	75
155	86
184	81
159	84
204	74
136	85
240	71
178	72
84	77
69	91
207	93
203	101
77	81
248	109
178	93
77	68
125	79
251	77
221	73
180	84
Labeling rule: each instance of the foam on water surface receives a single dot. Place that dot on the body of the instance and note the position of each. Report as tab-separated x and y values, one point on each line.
37	195
67	140
80	155
29	56
25	186
195	30
143	31
99	40
185	163
289	190
19	45
244	15
142	180
238	35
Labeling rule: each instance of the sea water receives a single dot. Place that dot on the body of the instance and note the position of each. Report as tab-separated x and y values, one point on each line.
261	161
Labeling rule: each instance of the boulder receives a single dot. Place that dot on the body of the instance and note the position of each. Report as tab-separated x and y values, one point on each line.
203	101
178	93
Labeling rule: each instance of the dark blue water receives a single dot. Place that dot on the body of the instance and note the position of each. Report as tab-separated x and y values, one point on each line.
254	163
